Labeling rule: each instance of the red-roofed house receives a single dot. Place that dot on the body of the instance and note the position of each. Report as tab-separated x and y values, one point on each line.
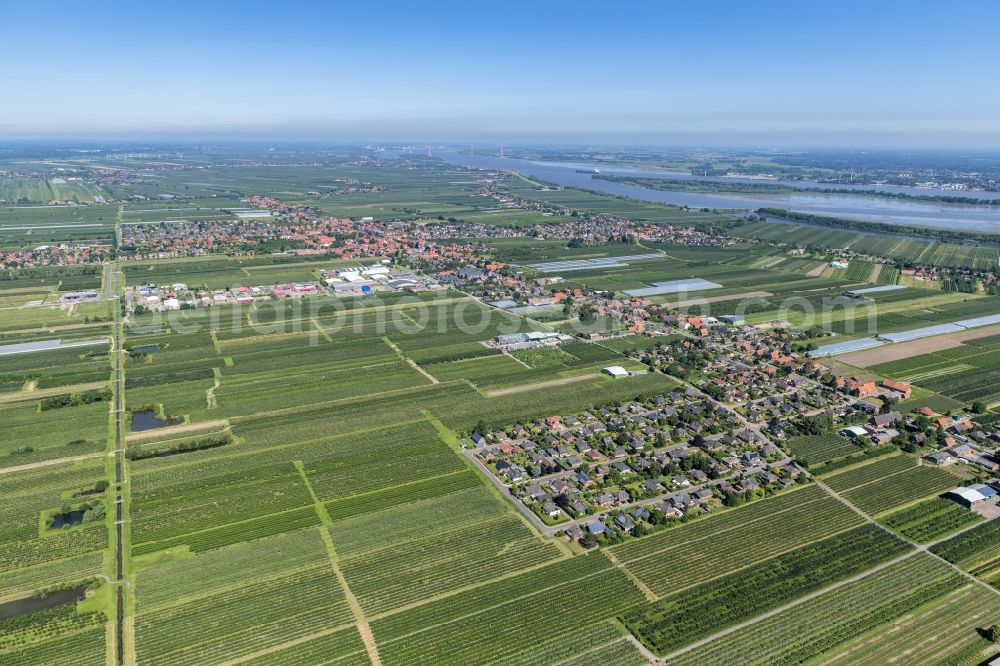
864	390
898	387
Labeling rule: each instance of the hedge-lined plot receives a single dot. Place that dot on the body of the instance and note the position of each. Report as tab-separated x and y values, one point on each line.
23	543
816	449
816	627
416	520
575	592
685	617
343	648
697	552
70	649
942	631
899	489
424	566
977	551
600	644
871	472
254	616
931	520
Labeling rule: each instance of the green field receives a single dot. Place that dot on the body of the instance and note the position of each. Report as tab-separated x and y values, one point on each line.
30	226
817	449
682	618
899	247
962	374
818	628
931	520
976	550
890	482
296	484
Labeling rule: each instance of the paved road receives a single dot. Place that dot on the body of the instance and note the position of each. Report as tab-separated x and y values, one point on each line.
505	489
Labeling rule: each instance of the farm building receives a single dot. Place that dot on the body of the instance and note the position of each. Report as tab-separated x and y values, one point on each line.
904	390
615	371
969	495
941	458
248	213
862	389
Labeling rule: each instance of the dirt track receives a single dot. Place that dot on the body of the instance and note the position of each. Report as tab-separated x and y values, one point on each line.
177	430
896	352
37	394
531	387
48	463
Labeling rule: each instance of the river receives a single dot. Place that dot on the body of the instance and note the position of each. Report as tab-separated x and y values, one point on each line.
857	206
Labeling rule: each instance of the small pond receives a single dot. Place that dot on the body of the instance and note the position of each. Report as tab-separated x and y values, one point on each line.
35	604
61	520
148	420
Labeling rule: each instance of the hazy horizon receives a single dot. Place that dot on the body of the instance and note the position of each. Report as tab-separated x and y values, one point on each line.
894	75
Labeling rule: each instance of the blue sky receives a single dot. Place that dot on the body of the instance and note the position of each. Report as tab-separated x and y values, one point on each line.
766	73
